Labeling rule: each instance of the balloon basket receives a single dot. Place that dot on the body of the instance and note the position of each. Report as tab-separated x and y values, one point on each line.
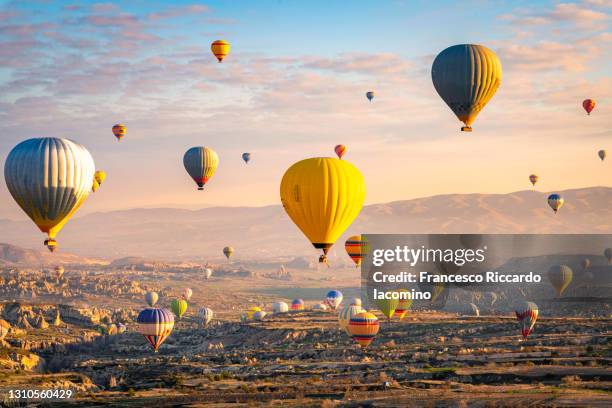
466	129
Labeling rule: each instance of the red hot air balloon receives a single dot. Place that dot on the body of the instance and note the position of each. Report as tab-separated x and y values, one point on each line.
588	105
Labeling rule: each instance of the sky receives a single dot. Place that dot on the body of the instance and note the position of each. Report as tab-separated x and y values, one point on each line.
294	86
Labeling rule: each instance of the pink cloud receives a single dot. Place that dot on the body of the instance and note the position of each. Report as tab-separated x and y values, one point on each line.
173	12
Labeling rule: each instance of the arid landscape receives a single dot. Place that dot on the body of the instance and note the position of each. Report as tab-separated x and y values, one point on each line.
437	356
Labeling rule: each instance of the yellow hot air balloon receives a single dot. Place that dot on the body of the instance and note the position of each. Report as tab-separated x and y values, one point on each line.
99	177
50	178
466	77
252	311
387	306
560	276
220	48
322	196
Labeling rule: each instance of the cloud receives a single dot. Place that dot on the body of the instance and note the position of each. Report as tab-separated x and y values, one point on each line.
581	15
361	63
173	12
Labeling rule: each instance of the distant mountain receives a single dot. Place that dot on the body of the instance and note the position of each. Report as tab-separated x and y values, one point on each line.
14	255
268	233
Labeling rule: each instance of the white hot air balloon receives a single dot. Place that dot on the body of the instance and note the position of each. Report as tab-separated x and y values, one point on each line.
50	178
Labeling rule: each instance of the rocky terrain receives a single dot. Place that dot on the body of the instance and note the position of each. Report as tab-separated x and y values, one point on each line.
56	335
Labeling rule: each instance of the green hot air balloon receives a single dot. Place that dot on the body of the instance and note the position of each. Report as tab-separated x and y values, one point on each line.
387	306
560	276
179	307
466	77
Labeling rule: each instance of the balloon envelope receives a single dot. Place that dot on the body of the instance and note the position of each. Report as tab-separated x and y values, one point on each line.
333	299
560	276
322	196
50	179
555	201
220	49
370	95
363	327
151	298
527	314
201	164
246	157
179	307
119	131
340	150
206	314
466	76
588	105
155	324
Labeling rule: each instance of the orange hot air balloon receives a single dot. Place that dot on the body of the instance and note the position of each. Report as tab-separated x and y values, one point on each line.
340	150
220	48
588	105
534	179
363	327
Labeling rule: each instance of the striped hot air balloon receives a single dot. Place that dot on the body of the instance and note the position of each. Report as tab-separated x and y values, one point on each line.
527	314
201	164
206	315
345	315
49	178
466	76
363	327
333	299
357	248
156	325
220	49
297	305
119	131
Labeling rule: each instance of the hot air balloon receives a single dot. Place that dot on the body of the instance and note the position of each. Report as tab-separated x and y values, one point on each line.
357	248
586	263
119	131
280	307
387	306
333	299
370	95
201	164
534	179
187	293
59	271
473	310
179	307
344	317
363	327
50	179
403	306
588	105
466	77
527	314
555	201
297	305
246	157
207	273
220	49
356	302
560	276
94	186
252	311
608	255
259	316
320	306
100	176
340	150
206	314
121	328
602	154
228	251
151	298
492	298
322	196
156	325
